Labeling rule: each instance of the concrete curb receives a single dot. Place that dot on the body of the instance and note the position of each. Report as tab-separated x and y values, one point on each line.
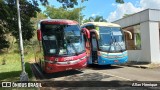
144	66
139	66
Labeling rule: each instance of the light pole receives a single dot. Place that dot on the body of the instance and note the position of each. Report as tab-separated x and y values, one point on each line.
80	11
79	14
24	75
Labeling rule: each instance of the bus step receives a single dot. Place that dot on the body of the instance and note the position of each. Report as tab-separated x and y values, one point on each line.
95	62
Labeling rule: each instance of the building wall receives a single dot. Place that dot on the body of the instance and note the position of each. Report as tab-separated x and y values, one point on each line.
145	42
134	55
134	19
154	41
149	26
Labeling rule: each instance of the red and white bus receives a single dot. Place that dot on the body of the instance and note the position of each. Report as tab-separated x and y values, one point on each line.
60	46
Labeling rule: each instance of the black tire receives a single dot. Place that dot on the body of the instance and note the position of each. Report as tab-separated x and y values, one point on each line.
108	65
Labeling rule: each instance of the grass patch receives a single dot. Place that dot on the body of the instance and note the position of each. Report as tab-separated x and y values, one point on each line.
28	70
10	64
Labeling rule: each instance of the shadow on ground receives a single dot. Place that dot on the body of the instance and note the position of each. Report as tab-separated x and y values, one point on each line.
79	75
136	63
102	67
87	77
40	74
62	74
75	73
9	76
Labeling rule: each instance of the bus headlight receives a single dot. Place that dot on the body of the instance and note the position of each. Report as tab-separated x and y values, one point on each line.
102	53
125	54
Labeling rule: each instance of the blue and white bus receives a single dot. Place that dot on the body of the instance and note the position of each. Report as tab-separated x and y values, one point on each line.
106	45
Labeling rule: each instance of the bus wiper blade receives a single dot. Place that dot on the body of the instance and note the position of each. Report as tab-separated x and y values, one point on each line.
118	44
112	42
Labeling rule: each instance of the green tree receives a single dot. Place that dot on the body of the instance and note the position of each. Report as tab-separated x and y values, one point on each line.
36	19
9	22
28	9
61	13
95	19
3	31
3	25
86	20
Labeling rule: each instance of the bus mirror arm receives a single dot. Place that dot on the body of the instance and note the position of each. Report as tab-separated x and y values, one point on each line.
39	35
86	32
130	34
97	34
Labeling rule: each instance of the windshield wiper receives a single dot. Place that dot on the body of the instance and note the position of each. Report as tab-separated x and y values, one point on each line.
112	42
118	43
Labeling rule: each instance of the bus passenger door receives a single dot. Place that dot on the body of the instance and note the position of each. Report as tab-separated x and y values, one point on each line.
94	48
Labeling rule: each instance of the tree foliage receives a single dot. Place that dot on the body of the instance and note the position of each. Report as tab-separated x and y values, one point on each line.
28	10
95	19
39	17
61	13
9	22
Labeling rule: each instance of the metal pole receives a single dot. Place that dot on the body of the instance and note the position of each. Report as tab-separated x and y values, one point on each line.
24	75
80	12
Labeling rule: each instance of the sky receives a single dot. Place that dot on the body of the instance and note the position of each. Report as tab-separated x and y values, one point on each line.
110	10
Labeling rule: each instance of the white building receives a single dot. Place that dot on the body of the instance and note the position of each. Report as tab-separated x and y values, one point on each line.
145	28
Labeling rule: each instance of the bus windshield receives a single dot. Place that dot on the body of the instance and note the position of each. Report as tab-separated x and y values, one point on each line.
111	39
62	40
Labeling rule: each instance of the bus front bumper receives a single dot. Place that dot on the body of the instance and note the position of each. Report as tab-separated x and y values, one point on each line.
107	61
51	68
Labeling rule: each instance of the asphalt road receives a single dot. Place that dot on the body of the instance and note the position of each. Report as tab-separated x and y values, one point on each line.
119	75
130	73
106	73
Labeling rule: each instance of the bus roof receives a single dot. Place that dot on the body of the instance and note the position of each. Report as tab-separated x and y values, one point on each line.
101	24
58	21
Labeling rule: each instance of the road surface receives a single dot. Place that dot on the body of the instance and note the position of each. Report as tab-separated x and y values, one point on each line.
121	77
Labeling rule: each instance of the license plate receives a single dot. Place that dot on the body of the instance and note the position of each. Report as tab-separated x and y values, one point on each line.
115	60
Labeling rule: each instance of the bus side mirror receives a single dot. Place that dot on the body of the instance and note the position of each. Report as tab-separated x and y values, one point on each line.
86	32
39	35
